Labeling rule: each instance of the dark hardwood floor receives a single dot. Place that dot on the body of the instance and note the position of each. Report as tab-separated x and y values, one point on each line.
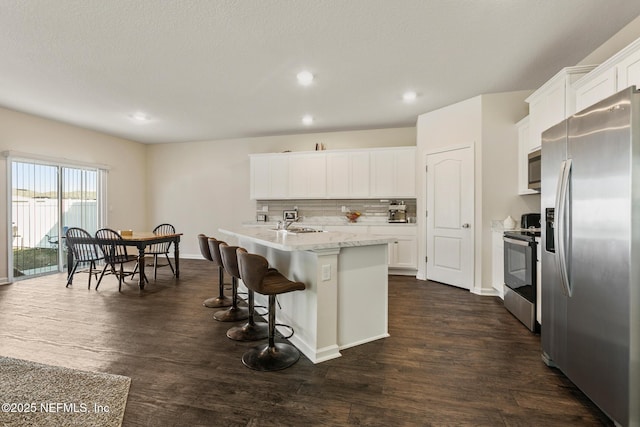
453	358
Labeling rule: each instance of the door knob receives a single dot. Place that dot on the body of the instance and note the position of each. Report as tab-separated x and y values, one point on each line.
466	225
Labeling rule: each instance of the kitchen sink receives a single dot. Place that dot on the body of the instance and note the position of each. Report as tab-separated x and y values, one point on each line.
299	230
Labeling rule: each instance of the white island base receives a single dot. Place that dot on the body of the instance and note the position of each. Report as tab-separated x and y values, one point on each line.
345	300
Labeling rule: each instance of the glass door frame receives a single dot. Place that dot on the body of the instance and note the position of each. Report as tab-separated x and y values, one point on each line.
101	199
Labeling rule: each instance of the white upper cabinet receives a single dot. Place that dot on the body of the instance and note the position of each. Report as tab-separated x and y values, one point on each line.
348	174
393	173
628	70
269	176
591	90
552	103
615	74
524	147
307	175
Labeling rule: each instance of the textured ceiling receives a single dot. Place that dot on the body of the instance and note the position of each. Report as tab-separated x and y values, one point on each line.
214	69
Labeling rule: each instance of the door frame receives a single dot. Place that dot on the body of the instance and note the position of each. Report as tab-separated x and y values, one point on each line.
422	209
16	156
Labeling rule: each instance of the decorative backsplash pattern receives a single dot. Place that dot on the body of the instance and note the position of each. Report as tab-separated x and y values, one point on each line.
371	209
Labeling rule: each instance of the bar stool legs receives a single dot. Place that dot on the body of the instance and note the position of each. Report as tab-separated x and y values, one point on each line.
209	248
221	300
271	356
233	313
250	331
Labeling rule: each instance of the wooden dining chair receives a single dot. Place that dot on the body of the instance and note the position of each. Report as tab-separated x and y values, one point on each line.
159	249
115	253
85	250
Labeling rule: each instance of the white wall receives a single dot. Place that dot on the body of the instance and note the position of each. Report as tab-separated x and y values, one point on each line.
43	137
450	127
203	186
499	172
619	41
487	123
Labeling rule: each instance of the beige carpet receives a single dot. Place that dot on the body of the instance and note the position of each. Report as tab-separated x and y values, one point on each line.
33	394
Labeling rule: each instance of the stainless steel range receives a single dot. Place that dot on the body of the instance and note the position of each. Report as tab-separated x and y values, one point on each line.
520	275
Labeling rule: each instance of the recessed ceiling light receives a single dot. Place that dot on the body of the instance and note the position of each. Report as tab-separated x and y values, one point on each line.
304	78
409	96
140	117
307	120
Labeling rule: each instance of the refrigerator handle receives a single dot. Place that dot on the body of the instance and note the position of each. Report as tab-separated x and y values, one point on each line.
561	226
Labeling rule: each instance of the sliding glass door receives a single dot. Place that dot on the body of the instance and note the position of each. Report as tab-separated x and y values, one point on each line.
47	199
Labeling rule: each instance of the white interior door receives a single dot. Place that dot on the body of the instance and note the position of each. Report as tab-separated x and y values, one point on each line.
450	217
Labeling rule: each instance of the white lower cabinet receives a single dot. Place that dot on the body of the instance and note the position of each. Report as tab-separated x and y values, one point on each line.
497	264
403	254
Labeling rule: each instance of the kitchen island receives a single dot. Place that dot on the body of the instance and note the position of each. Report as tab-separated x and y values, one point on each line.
345	300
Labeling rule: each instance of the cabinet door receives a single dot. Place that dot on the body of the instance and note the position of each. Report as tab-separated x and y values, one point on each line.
545	112
382	174
404	253
393	173
497	264
348	174
307	176
269	177
338	173
596	89
359	171
628	72
523	157
279	177
259	168
405	173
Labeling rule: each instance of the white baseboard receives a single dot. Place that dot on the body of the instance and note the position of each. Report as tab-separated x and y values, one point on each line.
486	292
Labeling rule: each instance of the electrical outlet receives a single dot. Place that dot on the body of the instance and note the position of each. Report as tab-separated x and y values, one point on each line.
344	209
326	272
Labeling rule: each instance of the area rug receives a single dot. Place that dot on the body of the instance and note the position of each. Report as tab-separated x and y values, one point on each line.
33	394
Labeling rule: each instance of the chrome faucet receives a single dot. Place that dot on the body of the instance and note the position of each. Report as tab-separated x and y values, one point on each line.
285	224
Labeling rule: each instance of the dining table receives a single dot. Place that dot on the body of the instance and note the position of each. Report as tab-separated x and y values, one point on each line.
140	240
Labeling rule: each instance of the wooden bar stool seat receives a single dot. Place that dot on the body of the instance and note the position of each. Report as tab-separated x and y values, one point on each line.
230	264
257	276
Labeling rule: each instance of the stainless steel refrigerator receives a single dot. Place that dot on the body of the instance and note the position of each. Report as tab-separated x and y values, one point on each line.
591	253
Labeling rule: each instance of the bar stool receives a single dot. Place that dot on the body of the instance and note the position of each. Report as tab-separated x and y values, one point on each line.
250	331
230	264
209	246
256	274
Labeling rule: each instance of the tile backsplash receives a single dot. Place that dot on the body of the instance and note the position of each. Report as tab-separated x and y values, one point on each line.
371	209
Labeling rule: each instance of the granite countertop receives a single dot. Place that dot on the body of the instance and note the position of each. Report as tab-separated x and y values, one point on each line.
332	221
287	241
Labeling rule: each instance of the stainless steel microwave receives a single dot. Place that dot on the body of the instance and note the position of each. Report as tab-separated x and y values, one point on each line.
534	167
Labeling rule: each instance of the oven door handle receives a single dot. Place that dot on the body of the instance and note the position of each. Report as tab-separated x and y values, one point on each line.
516	241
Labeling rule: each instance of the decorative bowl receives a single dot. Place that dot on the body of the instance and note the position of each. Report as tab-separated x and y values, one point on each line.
353	216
